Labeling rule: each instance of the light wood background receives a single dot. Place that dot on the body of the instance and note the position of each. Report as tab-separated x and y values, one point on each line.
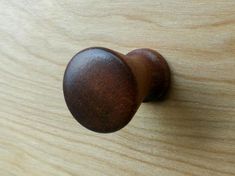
191	133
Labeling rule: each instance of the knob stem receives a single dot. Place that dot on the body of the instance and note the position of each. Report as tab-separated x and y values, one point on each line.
152	73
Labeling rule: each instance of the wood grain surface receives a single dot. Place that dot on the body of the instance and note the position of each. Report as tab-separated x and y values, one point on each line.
191	133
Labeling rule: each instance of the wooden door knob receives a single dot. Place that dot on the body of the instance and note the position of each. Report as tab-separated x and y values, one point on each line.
104	88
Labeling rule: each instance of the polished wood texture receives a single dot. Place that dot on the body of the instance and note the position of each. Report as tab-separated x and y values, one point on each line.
191	133
103	88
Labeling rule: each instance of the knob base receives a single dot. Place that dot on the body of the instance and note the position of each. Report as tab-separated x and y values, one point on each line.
159	71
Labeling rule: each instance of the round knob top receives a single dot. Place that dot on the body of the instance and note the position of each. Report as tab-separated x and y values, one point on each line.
100	90
103	88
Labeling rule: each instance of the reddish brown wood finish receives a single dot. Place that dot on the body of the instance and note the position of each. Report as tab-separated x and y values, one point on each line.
103	88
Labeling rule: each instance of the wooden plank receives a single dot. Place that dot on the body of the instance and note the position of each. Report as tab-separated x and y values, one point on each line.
191	133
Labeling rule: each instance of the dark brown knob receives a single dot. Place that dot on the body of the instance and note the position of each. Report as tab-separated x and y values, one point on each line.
103	88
